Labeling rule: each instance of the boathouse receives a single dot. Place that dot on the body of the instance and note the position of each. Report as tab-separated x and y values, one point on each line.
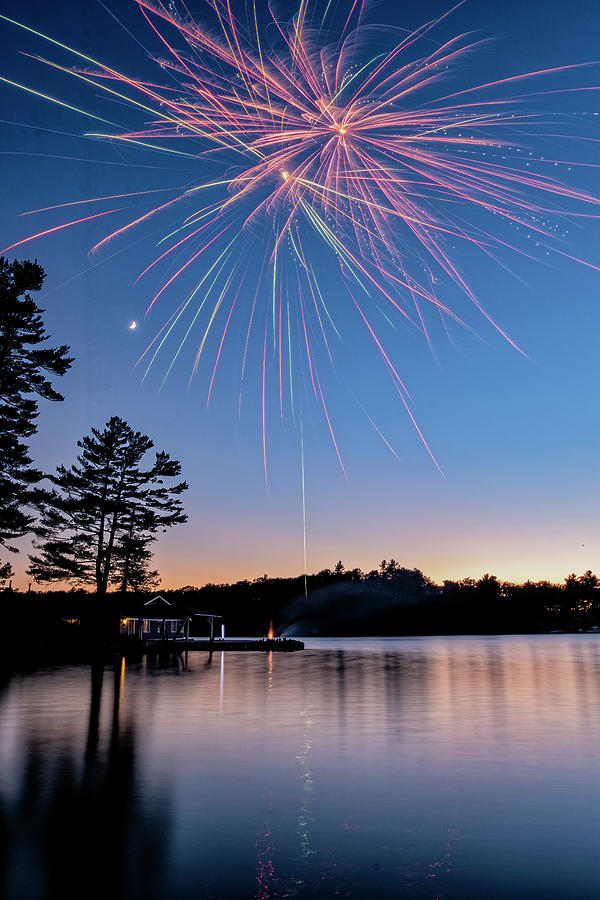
160	619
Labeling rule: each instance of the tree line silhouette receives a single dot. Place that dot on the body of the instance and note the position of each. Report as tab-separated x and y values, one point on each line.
395	600
391	600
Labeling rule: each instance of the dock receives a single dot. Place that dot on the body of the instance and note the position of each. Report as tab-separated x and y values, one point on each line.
278	645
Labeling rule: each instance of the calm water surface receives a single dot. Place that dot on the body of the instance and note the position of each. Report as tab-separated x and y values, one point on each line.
418	767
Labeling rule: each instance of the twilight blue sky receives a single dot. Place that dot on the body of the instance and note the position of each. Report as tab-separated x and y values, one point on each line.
517	437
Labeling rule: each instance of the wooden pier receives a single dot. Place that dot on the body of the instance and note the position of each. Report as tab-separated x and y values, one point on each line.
279	645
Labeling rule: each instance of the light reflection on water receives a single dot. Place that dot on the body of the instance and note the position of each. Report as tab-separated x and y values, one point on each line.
418	767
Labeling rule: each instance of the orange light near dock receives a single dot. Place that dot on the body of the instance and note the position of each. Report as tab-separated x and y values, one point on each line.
270	633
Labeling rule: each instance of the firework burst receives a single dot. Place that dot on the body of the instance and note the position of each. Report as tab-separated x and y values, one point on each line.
326	142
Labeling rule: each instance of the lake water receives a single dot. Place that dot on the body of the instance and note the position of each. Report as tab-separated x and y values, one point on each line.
437	767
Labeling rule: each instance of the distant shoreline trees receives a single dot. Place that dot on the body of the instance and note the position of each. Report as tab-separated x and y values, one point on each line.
394	600
348	602
24	367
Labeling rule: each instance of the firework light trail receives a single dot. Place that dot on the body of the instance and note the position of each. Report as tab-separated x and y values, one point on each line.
330	146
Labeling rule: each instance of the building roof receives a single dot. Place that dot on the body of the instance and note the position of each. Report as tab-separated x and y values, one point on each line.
159	600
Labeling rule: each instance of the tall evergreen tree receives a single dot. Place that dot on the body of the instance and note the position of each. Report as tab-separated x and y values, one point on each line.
24	370
104	511
132	562
132	553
